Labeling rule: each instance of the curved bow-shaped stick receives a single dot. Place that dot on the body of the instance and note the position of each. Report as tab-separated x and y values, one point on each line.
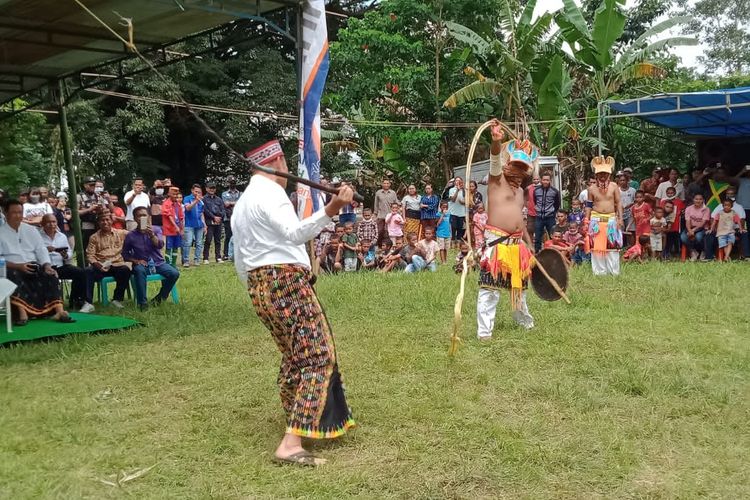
469	259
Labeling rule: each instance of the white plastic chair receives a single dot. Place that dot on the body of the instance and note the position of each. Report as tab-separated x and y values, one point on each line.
7	287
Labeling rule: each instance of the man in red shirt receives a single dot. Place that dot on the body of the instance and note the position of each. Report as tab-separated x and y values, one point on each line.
118	214
173	224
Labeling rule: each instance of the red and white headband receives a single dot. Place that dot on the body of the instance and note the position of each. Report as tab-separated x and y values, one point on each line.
266	153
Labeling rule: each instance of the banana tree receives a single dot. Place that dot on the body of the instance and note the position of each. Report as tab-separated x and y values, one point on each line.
509	66
597	50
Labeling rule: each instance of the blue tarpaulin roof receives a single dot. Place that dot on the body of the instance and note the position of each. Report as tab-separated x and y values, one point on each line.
714	113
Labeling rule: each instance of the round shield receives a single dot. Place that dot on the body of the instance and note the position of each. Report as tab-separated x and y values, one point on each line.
556	266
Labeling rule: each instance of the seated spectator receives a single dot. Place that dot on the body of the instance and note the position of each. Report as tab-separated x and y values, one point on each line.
395	223
574	240
428	252
559	244
117	213
142	248
82	287
382	252
350	243
104	254
324	237
444	231
479	222
366	254
330	260
561	222
697	221
28	265
36	208
463	252
640	251
723	226
658	228
393	260
411	255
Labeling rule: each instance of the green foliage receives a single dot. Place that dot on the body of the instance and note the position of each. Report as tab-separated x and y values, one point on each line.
25	154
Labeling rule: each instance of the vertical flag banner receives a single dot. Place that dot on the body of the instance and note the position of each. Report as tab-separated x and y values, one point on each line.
314	67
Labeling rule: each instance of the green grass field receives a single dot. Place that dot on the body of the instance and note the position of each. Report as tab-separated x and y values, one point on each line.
639	389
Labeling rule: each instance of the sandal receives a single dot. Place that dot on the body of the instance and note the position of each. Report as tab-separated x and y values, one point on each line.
302	458
21	322
66	319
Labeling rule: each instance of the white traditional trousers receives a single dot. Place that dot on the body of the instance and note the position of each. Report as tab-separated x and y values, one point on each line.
606	263
487	301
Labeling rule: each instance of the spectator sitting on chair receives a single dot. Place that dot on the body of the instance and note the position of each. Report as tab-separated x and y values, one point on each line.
57	245
28	266
143	247
104	254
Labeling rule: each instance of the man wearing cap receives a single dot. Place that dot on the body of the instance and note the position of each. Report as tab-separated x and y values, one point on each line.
229	197
629	176
506	260
271	259
90	205
603	219
213	213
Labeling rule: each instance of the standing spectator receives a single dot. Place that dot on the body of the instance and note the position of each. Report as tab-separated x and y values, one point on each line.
350	243
697	185
674	209
547	199
429	208
195	227
629	176
44	192
411	205
479	222
743	187
384	198
731	195
444	231
367	229
561	221
476	198
173	220
135	198
658	229
723	226
347	212
157	195
583	197
66	227
457	209
59	214
118	214
642	213
99	187
530	205
104	254
213	214
229	197
28	265
673	181
36	208
23	196
395	223
82	286
627	199
142	248
697	221
649	187
90	205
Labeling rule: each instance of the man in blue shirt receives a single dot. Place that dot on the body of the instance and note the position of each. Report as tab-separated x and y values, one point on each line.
143	247
195	227
547	199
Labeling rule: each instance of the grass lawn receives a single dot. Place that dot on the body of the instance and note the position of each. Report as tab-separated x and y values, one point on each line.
641	388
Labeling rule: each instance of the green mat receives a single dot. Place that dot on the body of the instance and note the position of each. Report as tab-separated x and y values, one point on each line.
85	323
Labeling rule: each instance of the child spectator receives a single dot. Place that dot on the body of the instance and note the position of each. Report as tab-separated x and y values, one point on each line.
382	253
642	214
723	227
658	229
173	218
412	255
395	223
330	258
324	237
479	222
444	232
464	251
576	213
561	222
559	244
393	260
366	254
574	239
349	242
641	249
429	247
673	211
367	229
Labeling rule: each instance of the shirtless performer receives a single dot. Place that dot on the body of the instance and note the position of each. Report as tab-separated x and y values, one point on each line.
507	263
603	219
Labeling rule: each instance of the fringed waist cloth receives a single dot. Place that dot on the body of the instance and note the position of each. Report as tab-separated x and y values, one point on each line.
312	392
506	265
604	233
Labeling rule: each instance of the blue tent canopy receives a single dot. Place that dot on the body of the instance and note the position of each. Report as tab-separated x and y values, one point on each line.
714	113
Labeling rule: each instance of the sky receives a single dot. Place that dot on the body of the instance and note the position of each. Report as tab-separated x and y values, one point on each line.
689	55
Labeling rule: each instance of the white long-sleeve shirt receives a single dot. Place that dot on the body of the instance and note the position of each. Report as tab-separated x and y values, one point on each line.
22	246
266	230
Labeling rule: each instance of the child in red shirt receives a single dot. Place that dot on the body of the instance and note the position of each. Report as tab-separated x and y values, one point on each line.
639	250
642	214
173	224
559	244
673	209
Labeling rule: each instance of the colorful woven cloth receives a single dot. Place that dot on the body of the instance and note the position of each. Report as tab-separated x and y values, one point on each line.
312	392
604	233
506	265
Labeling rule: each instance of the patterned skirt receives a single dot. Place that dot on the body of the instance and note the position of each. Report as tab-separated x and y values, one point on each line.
38	294
312	392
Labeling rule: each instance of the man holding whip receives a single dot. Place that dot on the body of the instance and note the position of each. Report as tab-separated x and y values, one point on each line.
272	260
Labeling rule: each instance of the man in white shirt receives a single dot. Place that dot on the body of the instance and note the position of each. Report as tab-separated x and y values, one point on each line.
135	198
673	181
82	289
272	260
28	266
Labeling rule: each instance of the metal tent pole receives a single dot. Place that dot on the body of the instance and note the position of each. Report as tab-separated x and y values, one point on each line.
70	173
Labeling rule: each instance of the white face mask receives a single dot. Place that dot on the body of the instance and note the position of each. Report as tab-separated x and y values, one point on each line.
98	189
34	198
159	191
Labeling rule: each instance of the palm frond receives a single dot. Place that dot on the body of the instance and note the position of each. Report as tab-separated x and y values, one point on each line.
473	91
469	37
